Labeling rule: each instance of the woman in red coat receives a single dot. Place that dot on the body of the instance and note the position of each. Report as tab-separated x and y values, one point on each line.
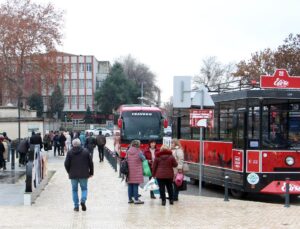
163	171
150	156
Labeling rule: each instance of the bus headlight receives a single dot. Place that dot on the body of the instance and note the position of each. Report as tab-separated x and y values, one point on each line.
289	160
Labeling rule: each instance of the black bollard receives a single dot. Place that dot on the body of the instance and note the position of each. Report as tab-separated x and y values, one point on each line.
287	193
226	188
12	158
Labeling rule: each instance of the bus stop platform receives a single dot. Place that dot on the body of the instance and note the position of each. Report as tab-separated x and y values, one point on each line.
107	207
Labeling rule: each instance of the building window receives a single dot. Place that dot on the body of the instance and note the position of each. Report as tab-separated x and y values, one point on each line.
66	99
89	84
66	84
89	100
81	67
73	99
89	67
74	67
81	100
81	84
74	84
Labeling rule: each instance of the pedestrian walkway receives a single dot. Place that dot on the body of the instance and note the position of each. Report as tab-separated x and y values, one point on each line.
107	207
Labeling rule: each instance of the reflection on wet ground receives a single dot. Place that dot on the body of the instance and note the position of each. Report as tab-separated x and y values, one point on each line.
10	177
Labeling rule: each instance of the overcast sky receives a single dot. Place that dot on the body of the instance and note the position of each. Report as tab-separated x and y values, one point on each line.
173	36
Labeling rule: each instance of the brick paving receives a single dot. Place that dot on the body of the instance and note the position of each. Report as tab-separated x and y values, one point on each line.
107	207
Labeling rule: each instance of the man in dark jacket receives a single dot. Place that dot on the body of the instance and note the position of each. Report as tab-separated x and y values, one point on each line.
22	149
90	144
101	141
79	166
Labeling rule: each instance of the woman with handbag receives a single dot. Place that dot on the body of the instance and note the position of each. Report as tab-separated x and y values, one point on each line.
150	154
179	156
163	171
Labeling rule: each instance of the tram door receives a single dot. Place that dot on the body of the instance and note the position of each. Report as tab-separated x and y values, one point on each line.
239	125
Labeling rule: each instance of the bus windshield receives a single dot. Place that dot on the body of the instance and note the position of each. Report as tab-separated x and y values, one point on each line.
141	125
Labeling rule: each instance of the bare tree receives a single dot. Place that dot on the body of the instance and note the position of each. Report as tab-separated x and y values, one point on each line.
213	72
140	74
29	34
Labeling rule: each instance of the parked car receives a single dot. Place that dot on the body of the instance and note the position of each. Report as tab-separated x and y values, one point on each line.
168	131
104	131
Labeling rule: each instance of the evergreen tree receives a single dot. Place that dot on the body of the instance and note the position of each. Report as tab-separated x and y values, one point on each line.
57	101
116	90
88	118
35	102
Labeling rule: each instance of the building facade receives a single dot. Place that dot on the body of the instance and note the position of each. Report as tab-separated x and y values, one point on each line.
78	81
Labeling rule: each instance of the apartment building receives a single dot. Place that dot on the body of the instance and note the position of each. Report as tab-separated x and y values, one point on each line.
79	81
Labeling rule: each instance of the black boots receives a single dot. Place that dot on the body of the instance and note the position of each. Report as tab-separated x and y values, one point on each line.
152	195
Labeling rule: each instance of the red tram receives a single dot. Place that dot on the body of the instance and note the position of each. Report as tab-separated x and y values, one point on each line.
254	138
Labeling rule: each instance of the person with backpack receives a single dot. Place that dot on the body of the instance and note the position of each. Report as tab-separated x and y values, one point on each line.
101	141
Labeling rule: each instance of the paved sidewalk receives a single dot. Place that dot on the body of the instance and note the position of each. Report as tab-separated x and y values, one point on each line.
107	207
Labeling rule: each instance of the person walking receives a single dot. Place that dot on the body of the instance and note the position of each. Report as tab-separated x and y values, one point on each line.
90	144
150	154
79	166
82	138
22	149
163	165
2	150
47	142
135	176
62	143
56	143
68	141
179	156
101	141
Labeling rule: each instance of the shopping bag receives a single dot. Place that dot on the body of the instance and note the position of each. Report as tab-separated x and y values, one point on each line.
185	167
146	169
183	186
178	179
151	185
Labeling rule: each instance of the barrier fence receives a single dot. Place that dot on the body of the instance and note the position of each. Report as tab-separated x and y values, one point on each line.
112	158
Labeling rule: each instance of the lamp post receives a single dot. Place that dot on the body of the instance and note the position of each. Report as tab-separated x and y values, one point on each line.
19	118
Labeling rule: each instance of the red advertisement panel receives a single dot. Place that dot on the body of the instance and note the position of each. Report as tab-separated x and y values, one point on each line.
276	161
279	187
218	154
196	115
280	79
237	160
253	161
191	150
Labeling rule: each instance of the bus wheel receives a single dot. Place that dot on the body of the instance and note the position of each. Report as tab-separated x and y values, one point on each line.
237	193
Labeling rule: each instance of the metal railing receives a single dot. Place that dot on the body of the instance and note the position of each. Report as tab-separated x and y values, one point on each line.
112	158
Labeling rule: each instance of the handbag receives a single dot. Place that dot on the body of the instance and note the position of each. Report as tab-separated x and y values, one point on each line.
183	186
178	179
151	185
146	169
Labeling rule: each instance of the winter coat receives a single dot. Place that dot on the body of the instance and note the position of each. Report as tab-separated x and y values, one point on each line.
79	164
179	156
36	140
82	139
101	140
135	166
148	156
2	149
62	140
56	140
23	147
163	165
90	143
5	153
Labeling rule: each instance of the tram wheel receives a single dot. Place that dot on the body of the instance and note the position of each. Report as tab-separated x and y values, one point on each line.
237	193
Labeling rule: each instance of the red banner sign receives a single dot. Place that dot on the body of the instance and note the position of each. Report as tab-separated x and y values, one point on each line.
252	161
280	79
197	115
279	187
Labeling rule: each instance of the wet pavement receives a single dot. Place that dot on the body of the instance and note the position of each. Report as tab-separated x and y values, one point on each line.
107	207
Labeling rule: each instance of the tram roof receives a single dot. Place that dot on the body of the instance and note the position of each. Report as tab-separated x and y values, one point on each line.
257	94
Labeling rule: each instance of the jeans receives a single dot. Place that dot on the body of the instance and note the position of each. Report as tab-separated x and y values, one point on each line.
83	185
101	152
133	191
163	183
56	147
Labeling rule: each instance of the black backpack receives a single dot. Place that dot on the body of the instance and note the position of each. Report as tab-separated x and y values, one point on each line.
124	167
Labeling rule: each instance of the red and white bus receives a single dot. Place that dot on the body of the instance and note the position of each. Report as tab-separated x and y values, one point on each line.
254	138
140	122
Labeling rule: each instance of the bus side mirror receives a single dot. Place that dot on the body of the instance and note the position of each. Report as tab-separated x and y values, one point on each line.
165	123
120	123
